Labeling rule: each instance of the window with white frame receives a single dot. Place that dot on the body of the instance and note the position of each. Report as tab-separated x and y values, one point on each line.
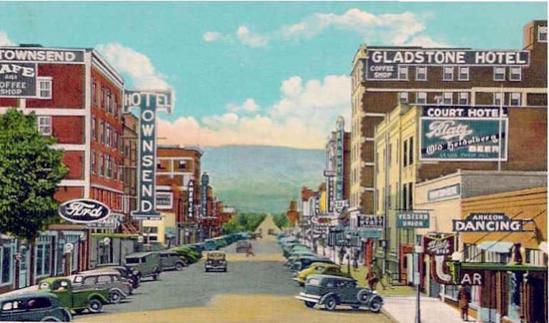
403	97
93	91
43	259
463	98
102	134
164	200
403	73
447	98
93	130
421	73
514	99
421	98
542	34
499	73
44	125
448	73
93	162
44	87
463	73
108	135
101	164
7	259
108	163
498	98
515	74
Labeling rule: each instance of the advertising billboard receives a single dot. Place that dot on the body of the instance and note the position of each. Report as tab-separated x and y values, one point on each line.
454	133
41	55
18	80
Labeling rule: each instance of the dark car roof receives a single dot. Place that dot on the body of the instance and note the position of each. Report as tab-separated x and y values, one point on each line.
139	254
319	276
27	295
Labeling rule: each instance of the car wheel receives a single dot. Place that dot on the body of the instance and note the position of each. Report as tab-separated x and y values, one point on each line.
179	266
363	296
50	319
375	305
330	303
155	277
95	306
115	297
310	304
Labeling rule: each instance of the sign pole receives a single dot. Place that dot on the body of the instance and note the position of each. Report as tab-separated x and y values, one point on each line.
500	126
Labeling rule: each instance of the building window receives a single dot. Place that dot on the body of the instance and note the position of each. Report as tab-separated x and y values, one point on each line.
498	98
93	162
93	89
542	34
515	74
421	98
405	153
44	125
101	165
421	73
164	200
448	73
403	97
108	135
103	95
447	98
108	164
403	73
102	134
44	87
463	98
499	73
182	165
108	101
463	74
404	197
42	261
6	258
411	151
410	203
514	99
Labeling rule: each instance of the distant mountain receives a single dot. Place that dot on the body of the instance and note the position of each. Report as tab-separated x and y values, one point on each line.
261	178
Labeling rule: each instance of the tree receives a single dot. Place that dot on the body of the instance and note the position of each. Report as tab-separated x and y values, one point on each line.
281	220
30	169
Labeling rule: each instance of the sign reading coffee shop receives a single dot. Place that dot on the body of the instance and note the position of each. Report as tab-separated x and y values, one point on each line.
488	222
83	211
382	64
18	80
463	134
149	103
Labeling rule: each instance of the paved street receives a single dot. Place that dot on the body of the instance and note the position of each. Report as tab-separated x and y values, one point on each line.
255	289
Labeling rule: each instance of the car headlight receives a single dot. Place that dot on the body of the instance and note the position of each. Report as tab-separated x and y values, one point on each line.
135	272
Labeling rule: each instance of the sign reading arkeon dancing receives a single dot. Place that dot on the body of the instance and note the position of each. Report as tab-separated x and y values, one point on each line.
488	222
149	103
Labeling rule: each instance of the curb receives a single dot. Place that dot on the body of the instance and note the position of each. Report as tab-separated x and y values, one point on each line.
391	317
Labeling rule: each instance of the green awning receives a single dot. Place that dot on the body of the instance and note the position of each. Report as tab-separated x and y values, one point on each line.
500	267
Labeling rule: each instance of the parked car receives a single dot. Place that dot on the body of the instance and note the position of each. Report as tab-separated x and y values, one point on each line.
119	288
190	255
215	260
243	246
331	291
196	247
320	268
172	260
33	306
75	300
303	262
130	275
210	245
147	264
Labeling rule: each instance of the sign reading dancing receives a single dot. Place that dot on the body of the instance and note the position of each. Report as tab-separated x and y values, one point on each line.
488	222
149	103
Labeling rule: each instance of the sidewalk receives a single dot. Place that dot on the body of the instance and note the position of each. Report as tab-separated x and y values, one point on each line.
403	310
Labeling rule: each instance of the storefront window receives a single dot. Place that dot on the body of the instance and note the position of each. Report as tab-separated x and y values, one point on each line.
513	308
6	253
451	291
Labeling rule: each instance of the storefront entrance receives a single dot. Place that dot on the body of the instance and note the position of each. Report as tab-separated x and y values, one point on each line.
24	273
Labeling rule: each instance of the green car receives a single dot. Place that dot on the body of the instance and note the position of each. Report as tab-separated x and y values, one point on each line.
76	300
190	255
32	307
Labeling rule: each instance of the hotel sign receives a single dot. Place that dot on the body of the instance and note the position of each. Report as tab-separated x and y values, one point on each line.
412	219
462	134
18	80
41	55
383	64
488	222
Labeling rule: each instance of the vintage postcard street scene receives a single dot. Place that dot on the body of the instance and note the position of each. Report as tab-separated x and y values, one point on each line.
273	162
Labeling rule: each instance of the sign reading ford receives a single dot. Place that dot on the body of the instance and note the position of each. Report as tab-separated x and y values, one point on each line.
83	211
488	222
17	80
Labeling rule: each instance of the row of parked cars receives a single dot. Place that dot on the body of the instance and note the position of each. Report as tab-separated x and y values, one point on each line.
57	299
324	283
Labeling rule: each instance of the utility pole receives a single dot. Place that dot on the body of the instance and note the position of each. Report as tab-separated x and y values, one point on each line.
500	126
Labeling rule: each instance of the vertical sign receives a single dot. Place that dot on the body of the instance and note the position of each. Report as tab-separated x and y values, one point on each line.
149	103
204	182
340	137
190	199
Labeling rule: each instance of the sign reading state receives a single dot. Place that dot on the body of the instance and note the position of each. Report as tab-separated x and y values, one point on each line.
383	63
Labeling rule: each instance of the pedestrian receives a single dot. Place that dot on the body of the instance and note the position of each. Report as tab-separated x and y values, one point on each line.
355	259
464	298
249	251
341	255
371	278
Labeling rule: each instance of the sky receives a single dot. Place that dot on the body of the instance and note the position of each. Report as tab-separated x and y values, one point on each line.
262	73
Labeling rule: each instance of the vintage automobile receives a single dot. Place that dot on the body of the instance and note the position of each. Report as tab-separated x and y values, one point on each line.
331	291
321	268
33	306
147	264
119	288
76	300
172	260
243	246
188	253
303	262
215	260
130	275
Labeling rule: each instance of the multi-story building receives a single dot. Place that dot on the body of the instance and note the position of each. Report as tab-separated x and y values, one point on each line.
129	171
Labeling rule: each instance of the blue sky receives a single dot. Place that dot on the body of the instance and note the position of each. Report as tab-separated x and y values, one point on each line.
256	73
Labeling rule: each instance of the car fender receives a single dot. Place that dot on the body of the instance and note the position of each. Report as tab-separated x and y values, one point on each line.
324	297
50	318
118	290
376	297
100	297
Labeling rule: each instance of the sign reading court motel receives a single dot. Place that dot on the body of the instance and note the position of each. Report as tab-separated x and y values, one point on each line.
382	64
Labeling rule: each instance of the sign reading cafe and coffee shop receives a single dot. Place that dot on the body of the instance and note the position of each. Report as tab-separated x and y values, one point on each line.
83	211
382	64
463	133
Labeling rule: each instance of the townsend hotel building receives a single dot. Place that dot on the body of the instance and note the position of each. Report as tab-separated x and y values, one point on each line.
384	77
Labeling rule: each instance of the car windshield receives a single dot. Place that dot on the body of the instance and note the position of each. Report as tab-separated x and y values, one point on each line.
313	282
132	260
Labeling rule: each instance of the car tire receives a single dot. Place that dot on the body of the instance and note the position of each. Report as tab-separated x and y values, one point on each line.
155	277
115	297
50	319
375	305
310	304
95	306
179	266
330	303
363	296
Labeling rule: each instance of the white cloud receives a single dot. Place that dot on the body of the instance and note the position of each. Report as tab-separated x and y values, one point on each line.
249	38
137	65
211	36
302	118
248	106
5	40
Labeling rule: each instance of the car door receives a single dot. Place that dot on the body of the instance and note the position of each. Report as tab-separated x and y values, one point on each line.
13	310
38	308
104	282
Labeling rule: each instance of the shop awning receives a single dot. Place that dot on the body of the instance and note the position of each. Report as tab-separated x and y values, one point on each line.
495	246
500	267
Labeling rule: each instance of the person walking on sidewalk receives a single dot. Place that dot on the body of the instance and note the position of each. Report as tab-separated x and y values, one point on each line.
249	251
371	278
464	298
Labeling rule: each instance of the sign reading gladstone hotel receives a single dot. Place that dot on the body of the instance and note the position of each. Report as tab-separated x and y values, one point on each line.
383	64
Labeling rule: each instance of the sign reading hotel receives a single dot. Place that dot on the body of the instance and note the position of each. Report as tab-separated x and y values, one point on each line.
488	222
412	219
382	64
18	80
462	133
149	103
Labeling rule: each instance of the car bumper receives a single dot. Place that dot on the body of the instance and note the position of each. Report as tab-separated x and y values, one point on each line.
299	281
308	297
